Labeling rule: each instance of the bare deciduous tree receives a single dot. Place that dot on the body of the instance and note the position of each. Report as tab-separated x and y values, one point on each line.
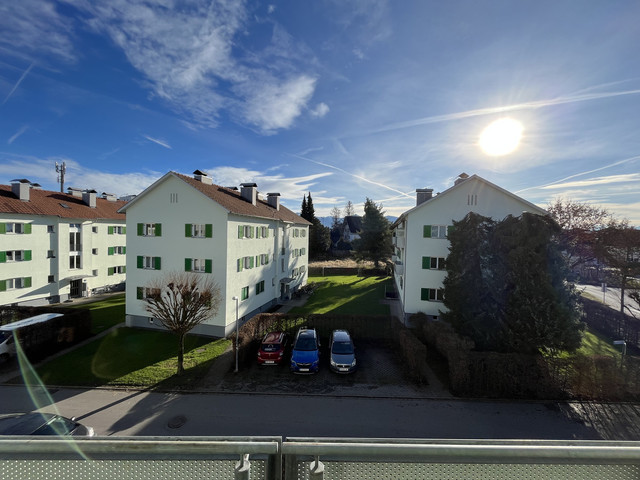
181	301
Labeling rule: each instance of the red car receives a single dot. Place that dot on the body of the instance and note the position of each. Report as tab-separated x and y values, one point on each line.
272	348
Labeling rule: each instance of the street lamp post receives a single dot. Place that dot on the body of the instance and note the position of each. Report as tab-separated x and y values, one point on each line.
237	300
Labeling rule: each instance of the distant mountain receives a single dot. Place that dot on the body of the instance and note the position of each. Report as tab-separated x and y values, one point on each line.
328	221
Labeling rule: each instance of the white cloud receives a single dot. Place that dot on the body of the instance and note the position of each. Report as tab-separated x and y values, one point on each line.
599	181
320	110
271	9
20	131
276	105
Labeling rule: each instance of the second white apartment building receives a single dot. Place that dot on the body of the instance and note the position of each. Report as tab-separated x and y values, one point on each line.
255	249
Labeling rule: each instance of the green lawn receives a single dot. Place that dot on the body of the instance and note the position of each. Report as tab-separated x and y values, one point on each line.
105	313
129	356
347	295
594	343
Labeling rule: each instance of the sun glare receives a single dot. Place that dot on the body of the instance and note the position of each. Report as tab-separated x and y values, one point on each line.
501	137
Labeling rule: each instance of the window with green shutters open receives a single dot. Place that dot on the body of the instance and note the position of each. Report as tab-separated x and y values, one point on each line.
149	229
114	230
120	250
433	263
204	265
245	293
116	270
436	231
15	283
198	230
432	294
148	262
15	228
15	256
259	287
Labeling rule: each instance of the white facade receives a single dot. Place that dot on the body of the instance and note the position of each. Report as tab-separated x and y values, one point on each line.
420	238
258	258
49	258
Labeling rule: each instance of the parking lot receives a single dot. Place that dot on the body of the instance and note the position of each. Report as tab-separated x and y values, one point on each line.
380	374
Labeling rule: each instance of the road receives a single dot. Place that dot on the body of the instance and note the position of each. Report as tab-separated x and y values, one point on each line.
611	297
124	413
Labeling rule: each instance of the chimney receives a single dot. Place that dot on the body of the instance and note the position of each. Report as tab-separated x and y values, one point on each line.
273	199
20	188
36	186
202	177
461	178
249	191
89	197
423	194
109	196
75	192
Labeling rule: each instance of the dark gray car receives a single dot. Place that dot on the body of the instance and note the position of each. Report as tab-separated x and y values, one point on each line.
42	424
342	358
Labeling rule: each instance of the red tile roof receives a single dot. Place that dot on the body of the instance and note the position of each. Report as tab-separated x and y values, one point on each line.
46	202
233	201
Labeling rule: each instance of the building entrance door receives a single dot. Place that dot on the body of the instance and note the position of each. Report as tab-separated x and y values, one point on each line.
76	288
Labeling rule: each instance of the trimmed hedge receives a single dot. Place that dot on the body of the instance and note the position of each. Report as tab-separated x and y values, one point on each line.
342	271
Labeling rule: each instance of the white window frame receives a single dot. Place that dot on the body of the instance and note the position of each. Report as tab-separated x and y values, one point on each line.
198	230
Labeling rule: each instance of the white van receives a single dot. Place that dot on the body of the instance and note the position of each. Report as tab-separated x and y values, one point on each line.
7	343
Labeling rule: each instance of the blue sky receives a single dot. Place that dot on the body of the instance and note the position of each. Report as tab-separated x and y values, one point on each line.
346	100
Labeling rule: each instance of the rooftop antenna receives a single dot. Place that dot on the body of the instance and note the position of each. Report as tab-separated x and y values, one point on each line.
61	169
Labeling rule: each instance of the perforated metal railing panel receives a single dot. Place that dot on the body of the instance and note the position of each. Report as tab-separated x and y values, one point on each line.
441	471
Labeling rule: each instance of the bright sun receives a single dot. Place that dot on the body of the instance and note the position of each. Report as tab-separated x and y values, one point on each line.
501	137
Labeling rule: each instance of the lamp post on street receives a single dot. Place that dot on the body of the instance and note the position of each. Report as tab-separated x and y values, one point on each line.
237	300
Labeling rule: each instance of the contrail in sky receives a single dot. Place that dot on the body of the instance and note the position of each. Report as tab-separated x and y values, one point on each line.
508	108
352	175
162	143
24	74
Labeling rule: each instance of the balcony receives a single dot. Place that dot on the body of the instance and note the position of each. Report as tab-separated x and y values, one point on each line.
398	267
318	458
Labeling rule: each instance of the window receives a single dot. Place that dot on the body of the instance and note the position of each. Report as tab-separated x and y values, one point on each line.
13	283
173	198
17	228
75	241
433	263
303	233
472	199
75	262
432	294
149	229
94	229
94	251
51	279
434	231
94	273
146	292
248	262
147	262
262	259
198	230
15	256
246	231
114	270
259	287
51	254
121	250
245	293
113	229
198	265
50	229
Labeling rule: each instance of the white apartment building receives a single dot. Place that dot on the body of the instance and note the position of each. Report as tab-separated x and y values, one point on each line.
420	237
55	246
255	250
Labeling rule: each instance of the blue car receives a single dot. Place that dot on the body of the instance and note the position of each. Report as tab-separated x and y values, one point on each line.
305	357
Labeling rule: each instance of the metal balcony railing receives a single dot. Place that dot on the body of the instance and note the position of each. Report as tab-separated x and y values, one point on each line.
314	458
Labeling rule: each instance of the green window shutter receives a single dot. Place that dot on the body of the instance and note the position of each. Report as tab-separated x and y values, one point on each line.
253	232
139	261
239	264
110	271
27	255
187	230
27	228
449	229
139	293
124	250
110	251
426	262
124	269
156	263
187	264
110	230
266	259
3	285
251	264
27	282
208	266
3	257
158	229
140	229
240	231
424	294
426	231
124	230
3	228
257	259
208	230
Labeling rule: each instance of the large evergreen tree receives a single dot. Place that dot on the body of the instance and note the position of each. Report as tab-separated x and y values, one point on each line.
375	241
319	235
506	285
